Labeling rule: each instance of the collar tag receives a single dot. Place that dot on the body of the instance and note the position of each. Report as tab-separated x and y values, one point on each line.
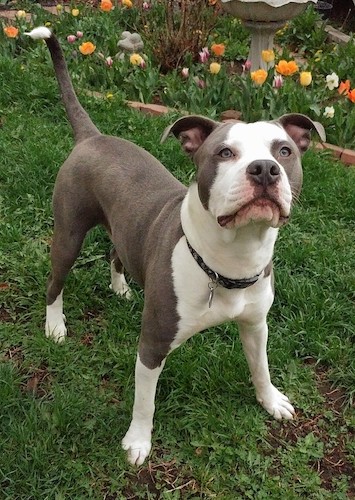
212	285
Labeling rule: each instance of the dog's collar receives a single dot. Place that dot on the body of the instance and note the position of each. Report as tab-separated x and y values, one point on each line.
218	279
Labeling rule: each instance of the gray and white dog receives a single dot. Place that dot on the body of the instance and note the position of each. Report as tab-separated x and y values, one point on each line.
203	254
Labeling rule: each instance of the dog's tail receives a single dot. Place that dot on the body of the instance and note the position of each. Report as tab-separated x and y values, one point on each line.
80	121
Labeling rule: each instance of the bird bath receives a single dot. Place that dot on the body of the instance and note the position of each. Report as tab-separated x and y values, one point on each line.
263	18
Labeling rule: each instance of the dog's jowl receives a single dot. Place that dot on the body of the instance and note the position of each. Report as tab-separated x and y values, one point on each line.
203	254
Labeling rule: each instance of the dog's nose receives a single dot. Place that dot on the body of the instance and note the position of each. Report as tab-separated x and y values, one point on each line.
263	172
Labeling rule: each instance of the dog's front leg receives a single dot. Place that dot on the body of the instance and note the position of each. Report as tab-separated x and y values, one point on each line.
137	440
254	340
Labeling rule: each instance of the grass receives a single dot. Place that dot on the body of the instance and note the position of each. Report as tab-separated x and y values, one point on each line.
65	408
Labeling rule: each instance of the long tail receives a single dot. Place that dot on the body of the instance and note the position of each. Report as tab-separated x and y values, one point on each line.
80	121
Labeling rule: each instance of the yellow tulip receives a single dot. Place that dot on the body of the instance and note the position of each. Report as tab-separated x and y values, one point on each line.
268	55
305	78
215	68
136	59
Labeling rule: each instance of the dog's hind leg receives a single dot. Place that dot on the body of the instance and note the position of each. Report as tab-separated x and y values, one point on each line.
118	281
65	248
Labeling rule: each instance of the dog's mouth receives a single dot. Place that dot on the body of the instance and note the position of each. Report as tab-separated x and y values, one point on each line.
262	209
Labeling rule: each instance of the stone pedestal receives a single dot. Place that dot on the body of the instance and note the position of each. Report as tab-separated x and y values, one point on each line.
262	38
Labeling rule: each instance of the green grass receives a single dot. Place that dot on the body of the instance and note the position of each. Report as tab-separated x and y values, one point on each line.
65	408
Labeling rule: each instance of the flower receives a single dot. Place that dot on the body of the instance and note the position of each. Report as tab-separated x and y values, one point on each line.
200	83
286	68
79	34
246	66
11	31
21	14
267	55
204	55
278	82
344	87
136	59
146	5
332	81
59	7
87	48
218	49
106	5
305	78
185	72
259	76
75	12
109	95
71	38
127	3
109	61
351	95
329	112
215	68
317	55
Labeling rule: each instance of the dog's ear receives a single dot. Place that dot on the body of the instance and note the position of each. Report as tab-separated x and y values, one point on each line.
299	129
191	131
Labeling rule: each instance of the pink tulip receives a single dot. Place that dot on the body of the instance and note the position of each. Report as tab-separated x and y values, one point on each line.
79	34
278	81
71	38
109	61
204	55
246	66
185	72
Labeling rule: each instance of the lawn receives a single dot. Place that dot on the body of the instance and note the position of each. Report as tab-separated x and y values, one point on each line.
65	408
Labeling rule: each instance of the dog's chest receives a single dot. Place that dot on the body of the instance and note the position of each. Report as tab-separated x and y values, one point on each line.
197	310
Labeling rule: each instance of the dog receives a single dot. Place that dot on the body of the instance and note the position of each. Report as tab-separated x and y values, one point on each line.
203	254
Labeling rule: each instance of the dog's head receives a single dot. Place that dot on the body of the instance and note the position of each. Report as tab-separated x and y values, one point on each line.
247	171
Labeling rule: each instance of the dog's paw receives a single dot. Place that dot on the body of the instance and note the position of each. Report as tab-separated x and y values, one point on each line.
56	330
277	404
137	447
119	286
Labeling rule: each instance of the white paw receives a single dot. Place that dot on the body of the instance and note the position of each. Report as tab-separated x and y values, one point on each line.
137	445
276	403
119	285
123	290
56	330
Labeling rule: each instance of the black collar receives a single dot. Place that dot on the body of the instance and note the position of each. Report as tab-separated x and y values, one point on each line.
219	279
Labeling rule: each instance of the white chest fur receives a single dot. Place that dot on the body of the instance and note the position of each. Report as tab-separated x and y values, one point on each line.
191	288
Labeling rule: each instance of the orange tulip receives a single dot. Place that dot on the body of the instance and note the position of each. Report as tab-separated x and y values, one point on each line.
87	48
351	95
259	76
286	68
106	5
344	87
11	31
218	49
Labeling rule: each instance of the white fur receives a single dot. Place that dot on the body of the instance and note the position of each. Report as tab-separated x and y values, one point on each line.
137	440
119	284
231	189
55	320
39	33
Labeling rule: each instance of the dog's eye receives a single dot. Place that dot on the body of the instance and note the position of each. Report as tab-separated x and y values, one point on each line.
226	153
285	152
